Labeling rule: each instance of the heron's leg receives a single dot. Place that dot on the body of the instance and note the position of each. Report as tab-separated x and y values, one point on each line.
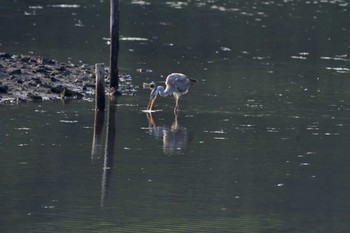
176	103
175	125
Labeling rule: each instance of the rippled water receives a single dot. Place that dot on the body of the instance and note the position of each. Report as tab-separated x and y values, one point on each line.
260	143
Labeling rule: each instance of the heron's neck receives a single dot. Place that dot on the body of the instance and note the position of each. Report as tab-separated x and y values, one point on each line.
161	91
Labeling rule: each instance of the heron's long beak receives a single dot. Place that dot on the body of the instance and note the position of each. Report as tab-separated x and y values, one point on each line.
150	103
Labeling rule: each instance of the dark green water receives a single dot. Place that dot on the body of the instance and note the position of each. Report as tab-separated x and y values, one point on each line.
260	144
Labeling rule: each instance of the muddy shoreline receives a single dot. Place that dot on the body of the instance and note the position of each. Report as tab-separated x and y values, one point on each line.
25	78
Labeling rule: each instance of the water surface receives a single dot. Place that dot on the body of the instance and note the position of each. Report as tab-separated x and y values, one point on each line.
260	143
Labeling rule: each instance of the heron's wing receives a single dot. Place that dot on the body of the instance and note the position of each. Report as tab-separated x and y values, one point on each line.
178	82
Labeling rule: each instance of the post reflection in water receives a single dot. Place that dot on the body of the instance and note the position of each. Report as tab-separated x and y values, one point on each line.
109	151
175	137
97	135
108	148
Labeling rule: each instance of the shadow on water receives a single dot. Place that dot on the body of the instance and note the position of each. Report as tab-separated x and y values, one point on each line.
175	138
97	145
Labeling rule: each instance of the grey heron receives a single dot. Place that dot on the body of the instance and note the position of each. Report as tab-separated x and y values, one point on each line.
177	84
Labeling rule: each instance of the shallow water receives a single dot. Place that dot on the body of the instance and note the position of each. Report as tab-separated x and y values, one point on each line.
259	145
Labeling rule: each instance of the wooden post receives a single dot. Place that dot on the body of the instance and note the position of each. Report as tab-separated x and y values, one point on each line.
100	87
114	49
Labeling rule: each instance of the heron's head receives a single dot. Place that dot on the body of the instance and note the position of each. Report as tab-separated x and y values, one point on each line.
152	98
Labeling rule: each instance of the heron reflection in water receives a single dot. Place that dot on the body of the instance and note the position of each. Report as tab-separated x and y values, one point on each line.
176	83
175	138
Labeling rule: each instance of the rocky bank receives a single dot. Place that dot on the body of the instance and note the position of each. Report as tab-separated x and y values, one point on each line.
26	78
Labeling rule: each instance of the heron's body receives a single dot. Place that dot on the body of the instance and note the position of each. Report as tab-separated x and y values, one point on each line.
177	84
